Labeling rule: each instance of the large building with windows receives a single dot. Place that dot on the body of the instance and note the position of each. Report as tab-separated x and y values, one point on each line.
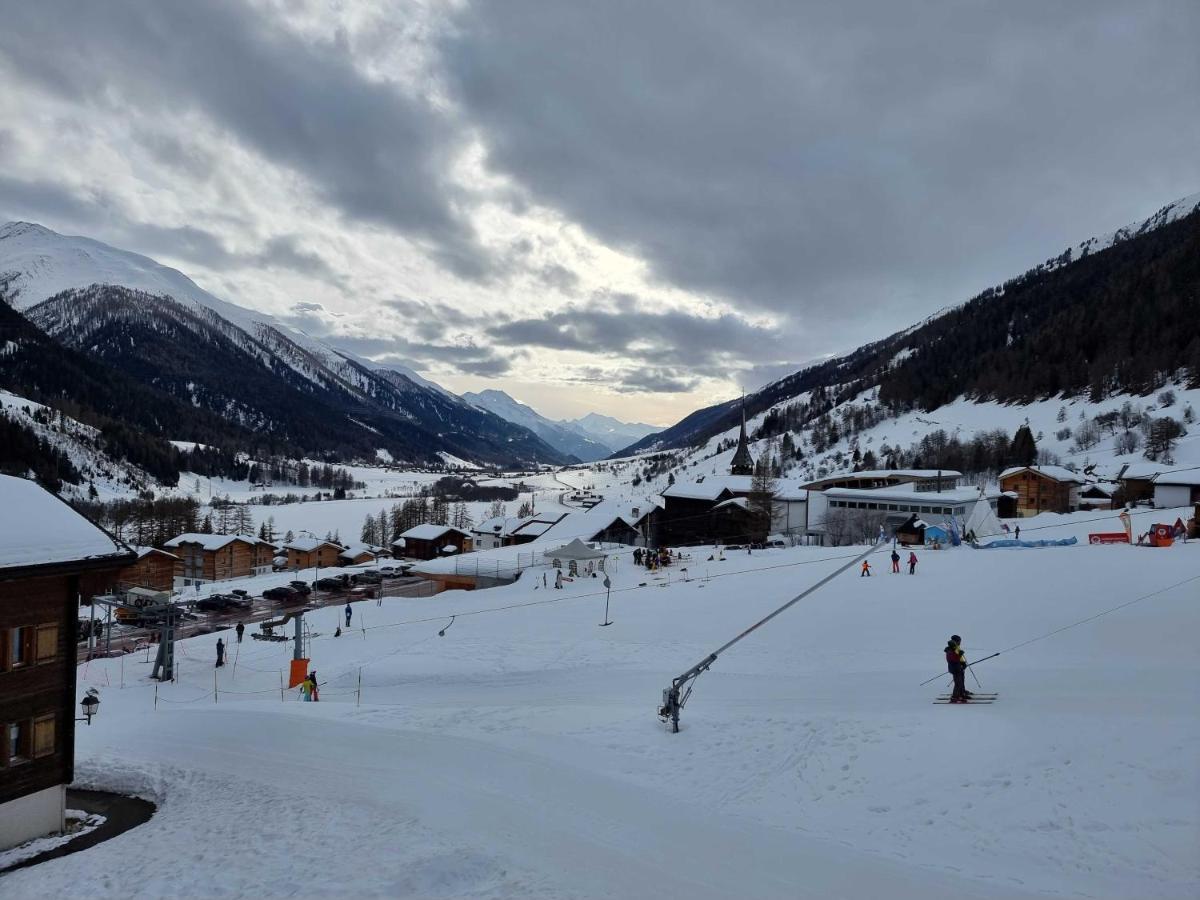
51	557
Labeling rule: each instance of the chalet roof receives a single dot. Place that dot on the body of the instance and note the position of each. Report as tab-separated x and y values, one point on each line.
586	524
1144	471
143	552
211	541
1054	473
431	532
358	548
709	487
497	525
1186	477
39	528
307	545
1106	489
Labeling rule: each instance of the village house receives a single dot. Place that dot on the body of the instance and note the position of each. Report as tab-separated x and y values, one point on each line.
1042	489
1096	495
432	541
154	569
357	554
1136	481
304	553
218	557
1178	488
51	557
494	532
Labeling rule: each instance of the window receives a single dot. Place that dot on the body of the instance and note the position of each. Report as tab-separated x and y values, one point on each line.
47	643
18	743
43	736
20	647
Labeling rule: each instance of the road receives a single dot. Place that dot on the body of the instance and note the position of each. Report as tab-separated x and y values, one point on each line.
126	640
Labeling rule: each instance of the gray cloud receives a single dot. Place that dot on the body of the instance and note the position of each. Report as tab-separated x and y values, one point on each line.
836	162
374	152
621	329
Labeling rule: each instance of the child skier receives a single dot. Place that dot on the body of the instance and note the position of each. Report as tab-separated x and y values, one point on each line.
912	563
220	653
866	570
895	563
956	664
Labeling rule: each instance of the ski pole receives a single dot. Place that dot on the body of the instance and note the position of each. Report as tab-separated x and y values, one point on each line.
940	674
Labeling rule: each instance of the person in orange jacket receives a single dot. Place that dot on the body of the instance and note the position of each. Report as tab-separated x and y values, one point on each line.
866	570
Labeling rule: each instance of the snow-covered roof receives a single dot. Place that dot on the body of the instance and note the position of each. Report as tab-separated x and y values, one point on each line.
210	541
883	475
1189	477
577	549
143	552
586	524
307	545
535	526
1106	489
907	493
501	525
732	501
38	528
709	487
1055	473
430	532
358	548
1142	471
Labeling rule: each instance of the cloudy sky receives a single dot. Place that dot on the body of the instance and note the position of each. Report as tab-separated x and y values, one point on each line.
632	207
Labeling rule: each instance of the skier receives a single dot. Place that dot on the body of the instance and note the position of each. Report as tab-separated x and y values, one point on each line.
1018	533
895	563
558	579
912	563
241	629
544	583
956	664
866	570
220	653
312	678
306	690
349	613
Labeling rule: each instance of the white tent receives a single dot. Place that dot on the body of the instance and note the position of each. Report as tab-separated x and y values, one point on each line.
577	549
982	520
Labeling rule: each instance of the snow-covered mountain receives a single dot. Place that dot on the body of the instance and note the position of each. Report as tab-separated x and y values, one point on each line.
148	319
588	438
1112	316
611	432
556	434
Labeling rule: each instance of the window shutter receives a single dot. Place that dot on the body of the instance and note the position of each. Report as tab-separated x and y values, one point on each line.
47	643
43	736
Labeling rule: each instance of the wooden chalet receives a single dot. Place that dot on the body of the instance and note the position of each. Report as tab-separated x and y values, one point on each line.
687	516
1136	481
911	533
1096	496
217	557
154	569
432	541
1042	489
304	553
50	558
358	554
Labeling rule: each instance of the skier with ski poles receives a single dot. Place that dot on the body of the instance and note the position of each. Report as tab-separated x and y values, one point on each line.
956	664
912	563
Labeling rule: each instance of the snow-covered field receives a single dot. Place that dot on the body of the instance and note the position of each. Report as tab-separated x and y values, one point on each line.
520	754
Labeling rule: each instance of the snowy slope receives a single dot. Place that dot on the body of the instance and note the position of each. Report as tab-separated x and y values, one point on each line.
519	755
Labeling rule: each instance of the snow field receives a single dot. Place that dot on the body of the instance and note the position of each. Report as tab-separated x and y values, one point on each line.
519	755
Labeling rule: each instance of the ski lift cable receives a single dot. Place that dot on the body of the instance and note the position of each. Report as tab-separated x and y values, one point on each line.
1084	621
673	701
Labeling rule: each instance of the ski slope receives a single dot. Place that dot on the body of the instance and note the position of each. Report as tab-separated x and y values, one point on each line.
520	754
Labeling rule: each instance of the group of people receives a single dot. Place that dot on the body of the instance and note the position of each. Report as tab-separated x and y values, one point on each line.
652	558
309	690
912	564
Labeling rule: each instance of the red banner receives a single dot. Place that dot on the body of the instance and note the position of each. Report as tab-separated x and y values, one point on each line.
1108	537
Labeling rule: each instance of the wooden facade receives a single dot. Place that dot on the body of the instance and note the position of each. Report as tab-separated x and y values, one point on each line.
39	614
323	555
155	569
1037	492
236	558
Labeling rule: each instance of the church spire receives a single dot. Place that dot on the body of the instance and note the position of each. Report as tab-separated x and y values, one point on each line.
743	462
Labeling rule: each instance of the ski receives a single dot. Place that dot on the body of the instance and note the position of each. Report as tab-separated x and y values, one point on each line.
967	703
980	694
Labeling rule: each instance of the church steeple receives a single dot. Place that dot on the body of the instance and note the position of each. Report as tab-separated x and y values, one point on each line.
743	462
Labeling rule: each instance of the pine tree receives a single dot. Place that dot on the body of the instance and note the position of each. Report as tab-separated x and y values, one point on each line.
370	530
761	497
1023	449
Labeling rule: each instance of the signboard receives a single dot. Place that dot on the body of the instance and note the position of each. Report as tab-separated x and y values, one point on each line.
1108	537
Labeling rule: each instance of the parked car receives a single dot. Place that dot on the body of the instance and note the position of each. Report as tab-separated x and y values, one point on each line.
389	571
283	594
238	600
333	583
301	587
214	603
368	578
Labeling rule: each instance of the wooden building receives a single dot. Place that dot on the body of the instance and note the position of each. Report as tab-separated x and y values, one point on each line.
1043	488
1177	488
50	558
154	569
357	554
687	516
304	553
217	557
1136	482
1096	496
432	541
911	533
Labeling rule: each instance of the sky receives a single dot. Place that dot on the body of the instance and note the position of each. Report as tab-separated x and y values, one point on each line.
625	207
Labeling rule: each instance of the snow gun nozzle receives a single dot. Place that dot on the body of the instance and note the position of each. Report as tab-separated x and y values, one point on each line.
442	633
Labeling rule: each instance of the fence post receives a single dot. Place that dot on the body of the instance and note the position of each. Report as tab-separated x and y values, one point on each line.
156	695
281	700
358	698
214	685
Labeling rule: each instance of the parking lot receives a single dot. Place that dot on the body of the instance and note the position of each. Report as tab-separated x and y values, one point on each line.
126	638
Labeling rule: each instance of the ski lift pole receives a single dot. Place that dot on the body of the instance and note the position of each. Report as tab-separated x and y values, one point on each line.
940	674
675	696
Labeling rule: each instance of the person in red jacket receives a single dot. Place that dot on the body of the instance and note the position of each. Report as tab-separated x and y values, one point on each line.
912	563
